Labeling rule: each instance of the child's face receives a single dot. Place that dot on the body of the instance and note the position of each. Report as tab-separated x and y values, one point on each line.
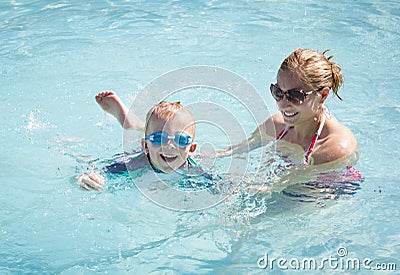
169	156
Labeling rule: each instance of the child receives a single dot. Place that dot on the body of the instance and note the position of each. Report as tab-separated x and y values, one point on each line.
167	145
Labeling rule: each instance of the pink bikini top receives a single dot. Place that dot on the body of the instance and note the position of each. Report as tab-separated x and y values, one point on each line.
314	140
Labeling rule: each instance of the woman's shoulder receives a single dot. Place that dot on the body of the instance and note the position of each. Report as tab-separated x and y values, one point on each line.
338	133
336	142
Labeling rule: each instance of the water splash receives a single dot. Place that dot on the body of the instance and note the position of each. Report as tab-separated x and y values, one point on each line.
36	121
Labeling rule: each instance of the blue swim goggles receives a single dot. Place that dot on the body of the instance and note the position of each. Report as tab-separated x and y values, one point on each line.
160	138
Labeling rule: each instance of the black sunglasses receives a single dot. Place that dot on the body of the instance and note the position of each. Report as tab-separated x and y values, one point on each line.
296	97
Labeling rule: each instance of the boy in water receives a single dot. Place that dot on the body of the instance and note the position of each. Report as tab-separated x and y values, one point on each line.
167	145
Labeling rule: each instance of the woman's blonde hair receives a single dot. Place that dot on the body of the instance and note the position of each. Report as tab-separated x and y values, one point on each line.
314	69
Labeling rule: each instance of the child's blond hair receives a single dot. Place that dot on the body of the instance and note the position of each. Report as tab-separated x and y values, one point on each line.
166	111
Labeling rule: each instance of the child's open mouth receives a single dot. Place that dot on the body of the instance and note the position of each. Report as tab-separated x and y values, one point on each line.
168	158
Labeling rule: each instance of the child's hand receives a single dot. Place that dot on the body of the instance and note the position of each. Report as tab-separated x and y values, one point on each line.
91	181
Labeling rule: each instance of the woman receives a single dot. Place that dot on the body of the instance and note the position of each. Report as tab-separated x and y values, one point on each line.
304	82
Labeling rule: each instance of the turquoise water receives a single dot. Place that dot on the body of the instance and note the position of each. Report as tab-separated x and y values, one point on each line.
56	56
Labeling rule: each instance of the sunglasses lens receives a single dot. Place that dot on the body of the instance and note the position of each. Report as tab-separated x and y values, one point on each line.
276	92
295	96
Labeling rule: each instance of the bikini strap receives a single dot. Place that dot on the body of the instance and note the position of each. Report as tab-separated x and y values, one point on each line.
314	140
283	133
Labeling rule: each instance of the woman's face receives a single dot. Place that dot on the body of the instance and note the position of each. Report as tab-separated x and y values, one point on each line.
296	114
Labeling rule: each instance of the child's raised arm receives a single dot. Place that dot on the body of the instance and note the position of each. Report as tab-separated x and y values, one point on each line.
112	104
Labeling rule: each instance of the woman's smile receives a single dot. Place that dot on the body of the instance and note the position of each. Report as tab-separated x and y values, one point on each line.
289	114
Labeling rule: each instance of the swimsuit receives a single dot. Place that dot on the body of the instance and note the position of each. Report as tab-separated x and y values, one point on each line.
349	174
138	160
133	161
314	140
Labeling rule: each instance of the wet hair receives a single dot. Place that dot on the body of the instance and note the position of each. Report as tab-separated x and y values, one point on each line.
166	111
314	69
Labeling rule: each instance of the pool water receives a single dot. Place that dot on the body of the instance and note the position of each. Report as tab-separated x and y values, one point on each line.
55	57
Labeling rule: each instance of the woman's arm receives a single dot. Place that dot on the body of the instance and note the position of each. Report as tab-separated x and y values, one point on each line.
260	137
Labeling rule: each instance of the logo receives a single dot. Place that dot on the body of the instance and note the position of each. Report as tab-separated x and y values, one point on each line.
227	108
